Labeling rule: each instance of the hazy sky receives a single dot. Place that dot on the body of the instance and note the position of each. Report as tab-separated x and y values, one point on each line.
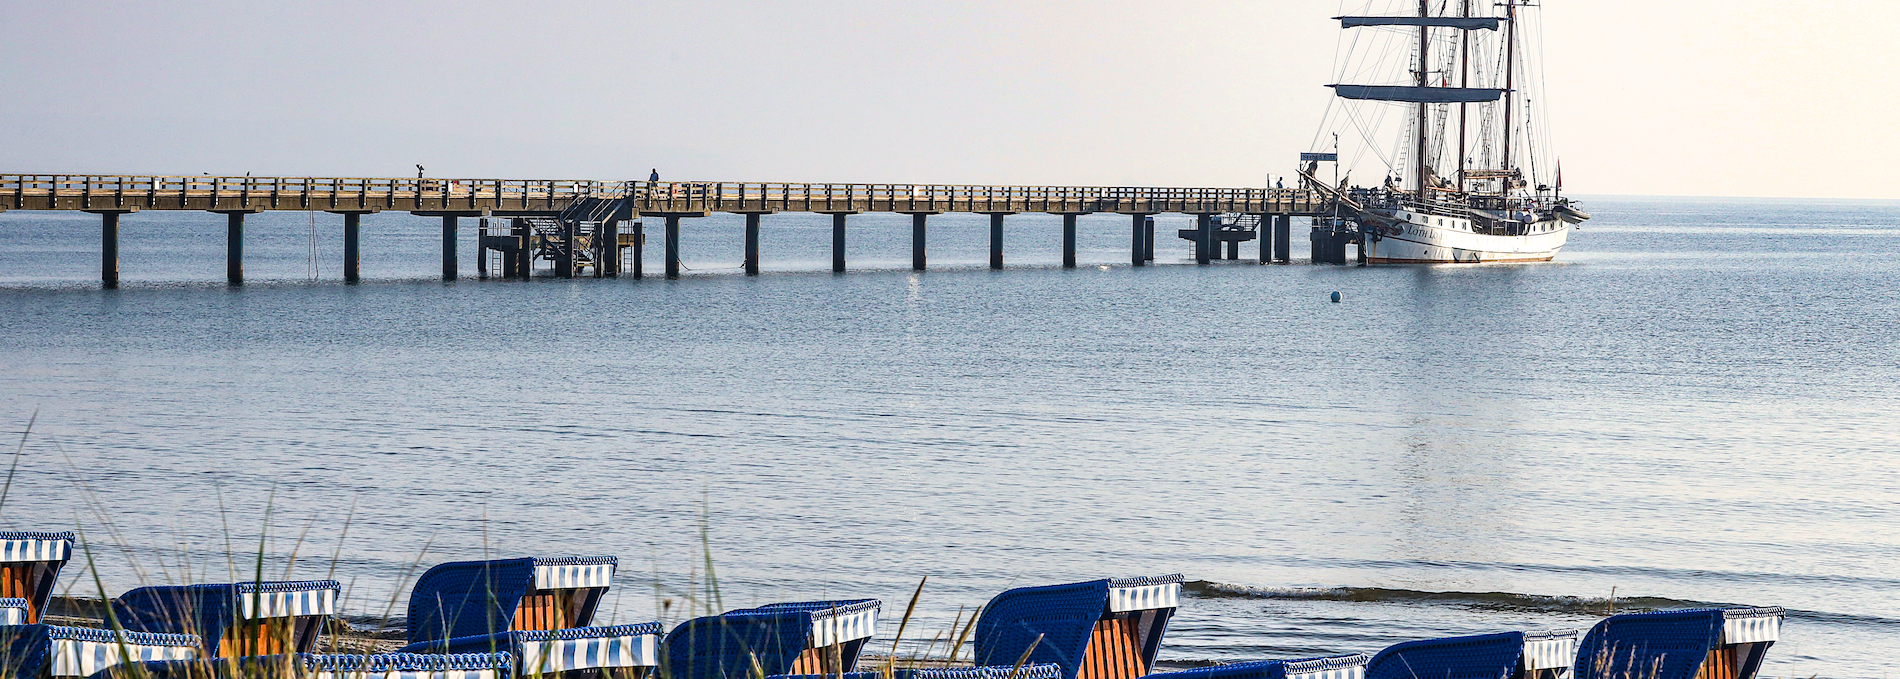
1686	97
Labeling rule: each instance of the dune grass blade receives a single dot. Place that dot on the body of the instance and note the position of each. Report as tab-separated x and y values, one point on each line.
890	664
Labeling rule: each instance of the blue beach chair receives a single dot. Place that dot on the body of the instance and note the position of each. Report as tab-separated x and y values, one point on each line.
1547	654
1330	667
334	666
42	651
234	620
1702	643
813	637
1482	656
29	564
537	610
1101	629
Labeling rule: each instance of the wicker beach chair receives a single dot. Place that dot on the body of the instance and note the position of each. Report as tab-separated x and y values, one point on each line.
29	564
14	611
537	610
234	620
314	666
814	637
38	651
1482	656
1703	643
1101	629
1330	667
471	598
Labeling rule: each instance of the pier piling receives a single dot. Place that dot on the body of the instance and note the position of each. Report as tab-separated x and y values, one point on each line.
837	241
607	249
1148	241
352	250
1204	238
564	260
918	231
1266	238
521	261
450	261
1137	240
234	246
672	246
752	243
1282	239
1068	240
639	249
996	239
109	248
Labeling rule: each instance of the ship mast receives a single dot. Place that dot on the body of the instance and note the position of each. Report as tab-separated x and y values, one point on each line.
1424	52
1510	64
1464	80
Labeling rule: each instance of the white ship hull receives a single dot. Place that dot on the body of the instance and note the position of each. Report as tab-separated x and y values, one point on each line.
1430	239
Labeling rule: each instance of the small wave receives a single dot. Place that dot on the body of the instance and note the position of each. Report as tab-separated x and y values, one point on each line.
1574	605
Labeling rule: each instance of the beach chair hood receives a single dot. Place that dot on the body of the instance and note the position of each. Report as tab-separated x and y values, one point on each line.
725	646
1482	656
1328	667
56	651
1064	617
29	565
479	598
208	611
1676	644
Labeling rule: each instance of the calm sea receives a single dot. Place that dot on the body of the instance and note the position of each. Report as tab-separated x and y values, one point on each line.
1696	405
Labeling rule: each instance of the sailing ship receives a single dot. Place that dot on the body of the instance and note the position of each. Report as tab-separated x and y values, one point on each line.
1469	102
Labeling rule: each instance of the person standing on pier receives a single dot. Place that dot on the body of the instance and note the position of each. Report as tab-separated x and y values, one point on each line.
655	176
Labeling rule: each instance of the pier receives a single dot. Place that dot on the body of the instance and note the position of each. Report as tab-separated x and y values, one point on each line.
583	227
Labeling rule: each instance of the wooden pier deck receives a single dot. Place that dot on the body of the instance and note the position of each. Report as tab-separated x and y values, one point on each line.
114	195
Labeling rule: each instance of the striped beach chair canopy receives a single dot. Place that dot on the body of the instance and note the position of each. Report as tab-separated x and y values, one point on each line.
480	598
623	647
1101	629
1481	656
811	637
1701	643
1027	671
29	565
36	651
313	666
1328	667
233	620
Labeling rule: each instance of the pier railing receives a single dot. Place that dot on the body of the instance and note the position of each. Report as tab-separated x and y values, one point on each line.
534	196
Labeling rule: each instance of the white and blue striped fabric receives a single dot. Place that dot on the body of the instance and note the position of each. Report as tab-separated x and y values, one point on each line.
84	658
35	549
839	625
1144	597
12	611
573	576
1549	650
314	601
410	674
1751	625
1337	667
561	655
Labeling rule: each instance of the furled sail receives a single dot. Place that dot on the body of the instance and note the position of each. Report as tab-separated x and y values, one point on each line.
1466	23
1418	95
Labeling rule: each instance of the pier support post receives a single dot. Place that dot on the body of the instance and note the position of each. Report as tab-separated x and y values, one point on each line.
672	246
521	261
1137	240
837	242
1266	238
1282	238
1204	238
752	243
1233	249
234	246
996	239
109	248
639	249
449	259
481	249
564	264
1148	241
918	229
607	261
1068	240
